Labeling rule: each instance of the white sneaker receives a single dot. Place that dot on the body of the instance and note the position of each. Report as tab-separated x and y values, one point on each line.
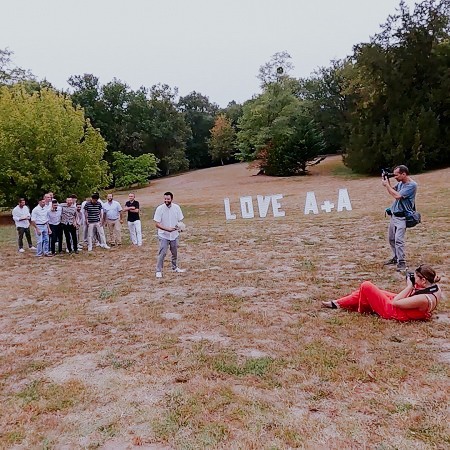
32	247
105	246
158	274
89	249
21	250
178	270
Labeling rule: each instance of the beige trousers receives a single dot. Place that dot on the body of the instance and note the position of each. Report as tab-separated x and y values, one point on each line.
114	231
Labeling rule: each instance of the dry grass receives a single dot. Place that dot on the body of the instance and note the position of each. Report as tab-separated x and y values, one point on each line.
235	353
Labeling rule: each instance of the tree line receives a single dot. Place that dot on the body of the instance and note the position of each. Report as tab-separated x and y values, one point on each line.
384	104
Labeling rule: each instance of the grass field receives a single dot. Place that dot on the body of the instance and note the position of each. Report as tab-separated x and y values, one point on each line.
236	353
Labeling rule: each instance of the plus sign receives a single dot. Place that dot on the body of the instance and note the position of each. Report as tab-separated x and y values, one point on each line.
327	206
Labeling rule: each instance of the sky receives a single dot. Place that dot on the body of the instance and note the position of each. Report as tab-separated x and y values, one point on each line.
208	46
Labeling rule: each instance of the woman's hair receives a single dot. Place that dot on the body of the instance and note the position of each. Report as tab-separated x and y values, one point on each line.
428	273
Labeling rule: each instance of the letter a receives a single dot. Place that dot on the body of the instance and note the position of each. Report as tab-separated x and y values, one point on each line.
228	214
311	204
344	200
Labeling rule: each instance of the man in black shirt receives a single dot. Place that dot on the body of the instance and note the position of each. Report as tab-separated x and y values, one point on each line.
134	221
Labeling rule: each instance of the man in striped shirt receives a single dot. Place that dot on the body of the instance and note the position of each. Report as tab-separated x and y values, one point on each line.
93	216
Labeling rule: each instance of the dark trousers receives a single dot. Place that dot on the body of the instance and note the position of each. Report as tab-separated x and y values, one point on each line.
70	231
21	231
56	236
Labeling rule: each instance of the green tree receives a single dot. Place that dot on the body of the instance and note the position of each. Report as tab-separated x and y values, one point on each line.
276	69
221	143
47	144
397	89
199	113
9	72
128	170
324	92
135	123
277	130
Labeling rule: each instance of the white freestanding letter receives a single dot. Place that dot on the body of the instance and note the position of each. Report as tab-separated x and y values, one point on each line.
344	200
247	207
276	206
310	203
263	204
228	214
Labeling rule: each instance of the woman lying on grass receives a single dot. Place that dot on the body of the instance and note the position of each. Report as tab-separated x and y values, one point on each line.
415	302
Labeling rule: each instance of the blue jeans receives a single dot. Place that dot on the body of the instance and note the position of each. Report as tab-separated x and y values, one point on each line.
42	240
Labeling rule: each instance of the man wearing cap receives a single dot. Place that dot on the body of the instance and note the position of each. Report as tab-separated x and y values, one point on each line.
113	219
39	221
21	216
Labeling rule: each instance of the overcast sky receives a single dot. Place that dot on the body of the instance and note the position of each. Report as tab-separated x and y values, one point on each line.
209	46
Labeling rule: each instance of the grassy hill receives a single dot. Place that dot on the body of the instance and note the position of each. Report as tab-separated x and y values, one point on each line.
236	352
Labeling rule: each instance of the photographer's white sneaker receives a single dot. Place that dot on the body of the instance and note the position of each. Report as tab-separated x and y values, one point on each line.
178	270
158	274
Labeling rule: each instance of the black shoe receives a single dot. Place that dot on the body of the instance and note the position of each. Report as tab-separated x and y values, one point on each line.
391	262
401	266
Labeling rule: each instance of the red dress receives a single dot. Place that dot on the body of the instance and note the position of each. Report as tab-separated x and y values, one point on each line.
370	299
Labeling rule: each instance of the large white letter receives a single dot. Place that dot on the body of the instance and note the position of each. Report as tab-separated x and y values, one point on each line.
228	214
276	206
310	203
344	200
263	204
247	207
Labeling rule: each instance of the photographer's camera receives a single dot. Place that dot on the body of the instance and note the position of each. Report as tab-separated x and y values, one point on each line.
411	277
386	174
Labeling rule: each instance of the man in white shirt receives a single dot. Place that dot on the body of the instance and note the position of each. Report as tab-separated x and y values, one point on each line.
39	220
21	216
54	221
166	217
112	218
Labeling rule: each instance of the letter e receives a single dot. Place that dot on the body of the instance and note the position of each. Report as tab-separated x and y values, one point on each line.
276	206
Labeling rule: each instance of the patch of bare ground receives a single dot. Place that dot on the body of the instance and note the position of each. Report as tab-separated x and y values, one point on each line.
95	352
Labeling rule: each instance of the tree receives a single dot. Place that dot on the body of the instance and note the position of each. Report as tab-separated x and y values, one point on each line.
221	143
128	170
135	123
10	73
324	92
47	144
276	69
397	89
277	131
199	114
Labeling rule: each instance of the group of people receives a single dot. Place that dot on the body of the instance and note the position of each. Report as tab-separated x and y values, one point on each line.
85	223
51	219
421	294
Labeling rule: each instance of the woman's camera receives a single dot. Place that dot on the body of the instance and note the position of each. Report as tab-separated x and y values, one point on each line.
385	173
411	276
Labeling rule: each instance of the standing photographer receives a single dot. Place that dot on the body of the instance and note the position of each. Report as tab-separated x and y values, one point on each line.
404	193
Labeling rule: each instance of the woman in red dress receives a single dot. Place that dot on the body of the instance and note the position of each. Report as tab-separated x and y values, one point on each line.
416	302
